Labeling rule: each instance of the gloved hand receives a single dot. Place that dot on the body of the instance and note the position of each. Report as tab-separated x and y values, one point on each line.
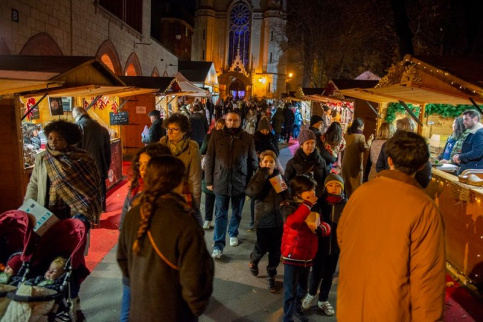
323	230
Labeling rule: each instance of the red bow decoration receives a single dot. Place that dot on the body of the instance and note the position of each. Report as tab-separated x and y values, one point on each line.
114	107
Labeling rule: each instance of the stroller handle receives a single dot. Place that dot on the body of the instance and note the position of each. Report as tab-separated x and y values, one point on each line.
24	298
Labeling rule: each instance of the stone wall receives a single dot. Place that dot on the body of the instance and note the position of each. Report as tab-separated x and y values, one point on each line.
79	28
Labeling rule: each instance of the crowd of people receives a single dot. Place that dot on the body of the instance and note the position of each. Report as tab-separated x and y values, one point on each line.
386	234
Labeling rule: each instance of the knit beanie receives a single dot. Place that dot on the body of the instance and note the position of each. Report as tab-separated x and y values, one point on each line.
334	177
15	263
305	135
315	119
263	124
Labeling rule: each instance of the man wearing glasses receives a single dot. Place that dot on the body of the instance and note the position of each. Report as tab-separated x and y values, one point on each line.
230	162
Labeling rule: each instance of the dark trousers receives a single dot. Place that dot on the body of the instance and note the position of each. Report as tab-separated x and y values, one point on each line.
288	133
323	270
295	287
268	240
103	193
209	206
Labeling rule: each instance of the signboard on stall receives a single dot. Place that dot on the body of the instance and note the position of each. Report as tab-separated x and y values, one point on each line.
119	118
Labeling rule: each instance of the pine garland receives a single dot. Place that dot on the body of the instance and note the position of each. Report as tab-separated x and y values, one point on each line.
444	110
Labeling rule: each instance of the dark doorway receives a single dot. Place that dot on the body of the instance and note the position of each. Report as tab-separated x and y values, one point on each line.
237	89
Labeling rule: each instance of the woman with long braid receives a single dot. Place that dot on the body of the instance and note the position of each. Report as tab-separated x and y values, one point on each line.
162	252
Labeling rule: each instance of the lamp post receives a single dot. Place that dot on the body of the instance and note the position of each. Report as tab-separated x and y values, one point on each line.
288	84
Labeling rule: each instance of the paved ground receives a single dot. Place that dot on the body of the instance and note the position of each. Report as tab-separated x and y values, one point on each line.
238	296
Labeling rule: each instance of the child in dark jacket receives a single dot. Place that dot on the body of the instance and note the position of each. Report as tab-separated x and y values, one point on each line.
325	261
268	219
299	243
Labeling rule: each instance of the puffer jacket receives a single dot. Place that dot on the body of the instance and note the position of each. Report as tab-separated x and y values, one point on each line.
302	163
267	200
299	243
230	161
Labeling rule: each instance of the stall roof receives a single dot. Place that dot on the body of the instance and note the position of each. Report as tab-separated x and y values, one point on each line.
312	91
447	80
79	75
148	84
195	71
323	99
188	88
12	86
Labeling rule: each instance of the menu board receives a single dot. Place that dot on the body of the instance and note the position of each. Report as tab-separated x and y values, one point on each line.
119	118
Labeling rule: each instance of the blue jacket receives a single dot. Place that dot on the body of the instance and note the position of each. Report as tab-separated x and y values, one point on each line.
471	156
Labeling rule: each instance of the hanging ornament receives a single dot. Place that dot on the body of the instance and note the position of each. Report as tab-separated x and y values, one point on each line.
114	107
32	114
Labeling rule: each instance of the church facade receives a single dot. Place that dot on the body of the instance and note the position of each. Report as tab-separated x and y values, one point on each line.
243	40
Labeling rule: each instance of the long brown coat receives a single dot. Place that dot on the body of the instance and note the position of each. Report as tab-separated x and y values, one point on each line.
392	261
352	170
159	292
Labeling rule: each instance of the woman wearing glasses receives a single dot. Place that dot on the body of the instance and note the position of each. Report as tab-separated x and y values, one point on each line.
178	141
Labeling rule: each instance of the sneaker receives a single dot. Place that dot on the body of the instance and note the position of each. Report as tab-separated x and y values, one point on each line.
307	301
271	284
217	253
326	307
207	225
233	241
299	315
253	268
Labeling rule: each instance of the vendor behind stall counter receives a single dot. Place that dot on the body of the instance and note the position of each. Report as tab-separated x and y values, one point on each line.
471	156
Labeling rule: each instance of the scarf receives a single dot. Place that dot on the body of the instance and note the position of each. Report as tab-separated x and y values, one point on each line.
74	182
177	148
333	199
458	145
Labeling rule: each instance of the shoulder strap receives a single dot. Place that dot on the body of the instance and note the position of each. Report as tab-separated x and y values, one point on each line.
161	254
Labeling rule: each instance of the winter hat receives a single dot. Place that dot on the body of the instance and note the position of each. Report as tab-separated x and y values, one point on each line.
315	119
305	135
334	177
14	262
263	124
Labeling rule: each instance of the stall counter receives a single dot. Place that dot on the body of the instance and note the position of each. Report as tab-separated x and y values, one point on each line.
462	210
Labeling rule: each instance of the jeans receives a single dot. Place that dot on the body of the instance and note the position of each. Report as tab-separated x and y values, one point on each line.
296	131
295	287
209	206
221	218
323	269
125	303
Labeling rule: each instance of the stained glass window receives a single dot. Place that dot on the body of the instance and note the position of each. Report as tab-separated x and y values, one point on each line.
239	33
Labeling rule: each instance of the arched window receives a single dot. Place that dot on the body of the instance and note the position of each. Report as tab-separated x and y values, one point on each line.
239	33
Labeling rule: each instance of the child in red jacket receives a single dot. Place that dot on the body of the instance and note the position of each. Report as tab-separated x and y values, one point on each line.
299	243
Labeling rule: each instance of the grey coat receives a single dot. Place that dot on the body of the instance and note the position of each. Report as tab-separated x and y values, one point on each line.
97	142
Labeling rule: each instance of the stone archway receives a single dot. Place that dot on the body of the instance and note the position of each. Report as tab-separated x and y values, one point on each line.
133	67
42	44
155	72
234	81
108	55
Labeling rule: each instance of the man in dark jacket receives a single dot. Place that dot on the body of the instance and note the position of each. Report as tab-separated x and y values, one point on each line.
229	163
288	122
156	131
199	124
97	142
471	156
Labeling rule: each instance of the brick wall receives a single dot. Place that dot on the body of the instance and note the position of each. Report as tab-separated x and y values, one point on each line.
79	27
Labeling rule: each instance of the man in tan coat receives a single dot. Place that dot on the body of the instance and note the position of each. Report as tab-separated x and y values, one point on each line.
392	261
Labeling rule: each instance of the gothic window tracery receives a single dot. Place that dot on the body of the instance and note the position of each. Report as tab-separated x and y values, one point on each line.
239	33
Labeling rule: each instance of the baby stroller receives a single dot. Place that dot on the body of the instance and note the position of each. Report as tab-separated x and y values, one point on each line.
15	233
66	238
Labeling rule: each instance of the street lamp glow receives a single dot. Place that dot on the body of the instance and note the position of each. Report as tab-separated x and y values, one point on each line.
290	75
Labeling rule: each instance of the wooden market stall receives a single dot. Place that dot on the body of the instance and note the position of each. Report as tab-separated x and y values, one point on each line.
453	84
57	84
150	93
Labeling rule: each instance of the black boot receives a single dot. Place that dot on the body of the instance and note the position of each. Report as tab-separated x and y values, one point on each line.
299	315
271	284
253	268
